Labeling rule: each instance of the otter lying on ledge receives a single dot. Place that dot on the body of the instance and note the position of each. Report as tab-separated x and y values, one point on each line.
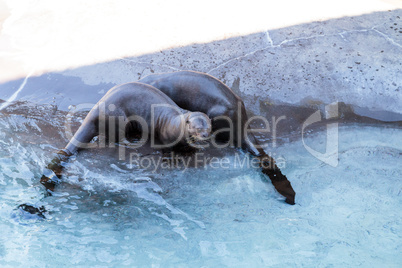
195	91
127	109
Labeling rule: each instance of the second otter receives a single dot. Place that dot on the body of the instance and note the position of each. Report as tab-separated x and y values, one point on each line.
195	91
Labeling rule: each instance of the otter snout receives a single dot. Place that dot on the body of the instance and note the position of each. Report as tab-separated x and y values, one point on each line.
203	135
198	127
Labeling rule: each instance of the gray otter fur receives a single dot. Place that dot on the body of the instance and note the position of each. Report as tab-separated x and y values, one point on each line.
129	100
195	91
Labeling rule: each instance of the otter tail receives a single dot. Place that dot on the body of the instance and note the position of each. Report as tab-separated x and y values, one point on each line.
269	168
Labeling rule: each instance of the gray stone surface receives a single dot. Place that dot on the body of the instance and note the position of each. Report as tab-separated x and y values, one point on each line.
353	59
361	68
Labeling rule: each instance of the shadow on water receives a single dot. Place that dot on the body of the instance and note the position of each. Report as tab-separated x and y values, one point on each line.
334	61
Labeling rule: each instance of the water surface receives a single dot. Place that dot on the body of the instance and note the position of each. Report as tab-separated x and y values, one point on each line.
108	213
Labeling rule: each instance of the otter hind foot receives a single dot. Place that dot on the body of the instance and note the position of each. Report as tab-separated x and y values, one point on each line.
39	211
285	188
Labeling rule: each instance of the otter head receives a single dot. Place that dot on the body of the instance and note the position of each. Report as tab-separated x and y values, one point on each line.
198	127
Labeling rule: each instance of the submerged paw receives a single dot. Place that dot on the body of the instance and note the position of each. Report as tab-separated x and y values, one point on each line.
32	210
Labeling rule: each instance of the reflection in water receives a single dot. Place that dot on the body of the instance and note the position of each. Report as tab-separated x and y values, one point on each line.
106	213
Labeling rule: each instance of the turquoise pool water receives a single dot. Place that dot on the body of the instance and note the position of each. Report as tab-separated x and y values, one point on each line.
107	214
